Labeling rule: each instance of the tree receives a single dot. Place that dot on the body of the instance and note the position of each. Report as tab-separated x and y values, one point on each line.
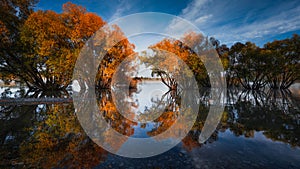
13	14
117	61
249	65
284	65
164	65
171	54
52	43
276	65
49	45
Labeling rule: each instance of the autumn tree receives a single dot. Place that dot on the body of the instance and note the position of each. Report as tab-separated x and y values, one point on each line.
49	43
118	60
52	43
13	14
192	49
164	65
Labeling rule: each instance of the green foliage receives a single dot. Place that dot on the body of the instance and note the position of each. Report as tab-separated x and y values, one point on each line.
276	65
284	62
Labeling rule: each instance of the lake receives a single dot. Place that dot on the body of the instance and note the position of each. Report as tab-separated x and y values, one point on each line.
258	129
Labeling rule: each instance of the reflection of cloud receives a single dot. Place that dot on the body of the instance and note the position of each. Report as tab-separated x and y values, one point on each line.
232	21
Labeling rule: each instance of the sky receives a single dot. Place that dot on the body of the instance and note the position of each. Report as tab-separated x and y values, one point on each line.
229	21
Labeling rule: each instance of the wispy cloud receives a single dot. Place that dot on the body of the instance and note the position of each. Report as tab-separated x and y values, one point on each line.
203	19
284	22
231	21
120	9
193	10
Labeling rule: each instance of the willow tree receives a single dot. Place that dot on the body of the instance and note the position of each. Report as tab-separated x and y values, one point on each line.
51	44
276	65
170	54
13	14
249	65
117	61
284	62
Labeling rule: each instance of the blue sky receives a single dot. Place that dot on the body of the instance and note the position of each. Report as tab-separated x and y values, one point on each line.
229	21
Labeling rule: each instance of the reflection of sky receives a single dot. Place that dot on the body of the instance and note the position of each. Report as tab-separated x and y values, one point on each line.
258	151
13	91
148	90
140	132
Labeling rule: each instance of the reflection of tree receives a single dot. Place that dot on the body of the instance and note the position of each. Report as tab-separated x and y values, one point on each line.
15	118
57	140
168	108
169	102
282	99
275	113
112	116
14	121
45	136
101	119
174	111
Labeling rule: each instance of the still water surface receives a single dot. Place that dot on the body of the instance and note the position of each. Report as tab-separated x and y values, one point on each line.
257	130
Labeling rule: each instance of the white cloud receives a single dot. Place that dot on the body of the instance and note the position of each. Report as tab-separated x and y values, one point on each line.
122	7
230	21
279	24
203	19
193	9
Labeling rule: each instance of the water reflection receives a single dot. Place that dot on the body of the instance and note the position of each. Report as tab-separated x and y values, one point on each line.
57	140
51	136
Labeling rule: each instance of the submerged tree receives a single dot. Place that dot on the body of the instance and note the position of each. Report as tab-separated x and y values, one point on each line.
119	58
13	14
52	42
276	65
248	65
284	62
42	51
191	50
